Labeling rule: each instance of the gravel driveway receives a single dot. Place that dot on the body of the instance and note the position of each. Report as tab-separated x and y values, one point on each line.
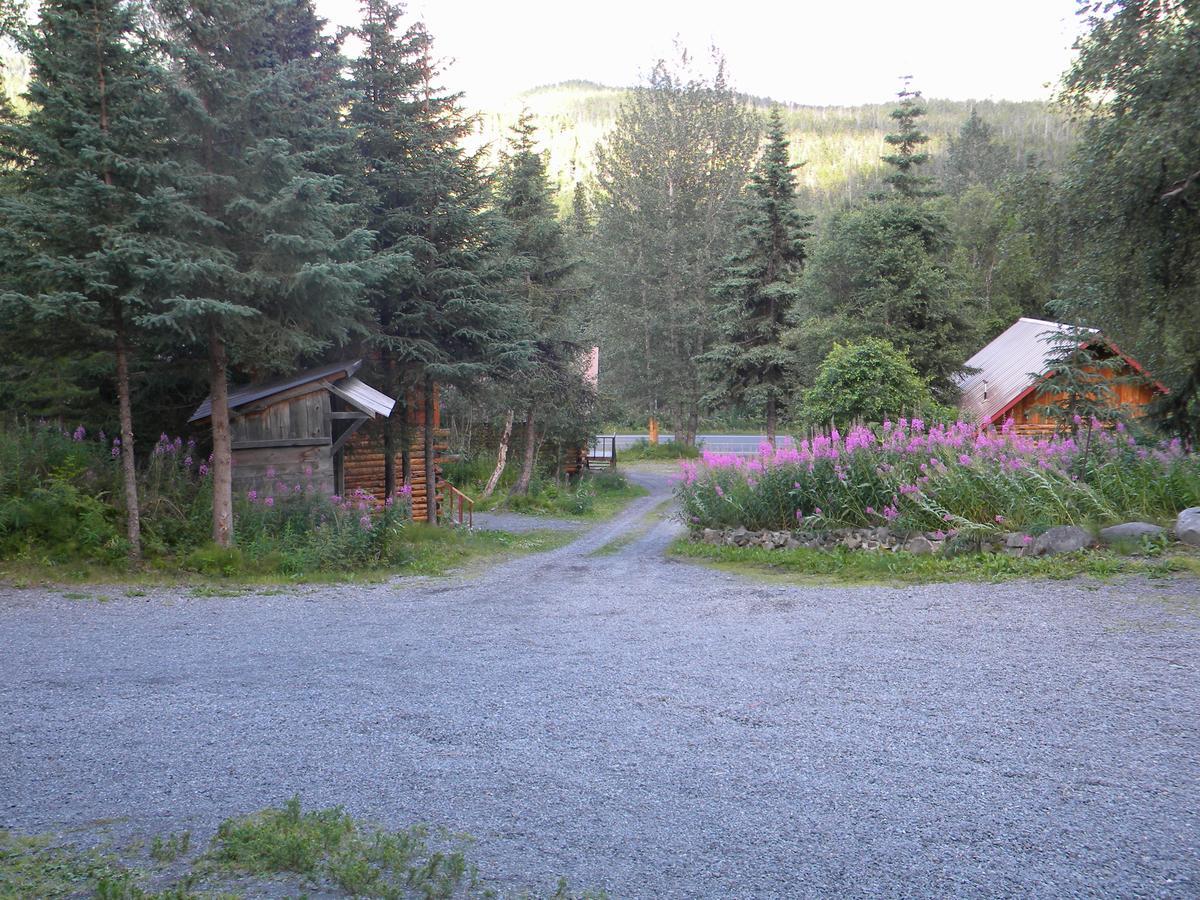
646	726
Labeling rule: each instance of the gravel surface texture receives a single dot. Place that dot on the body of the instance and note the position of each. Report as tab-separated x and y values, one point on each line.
517	522
650	727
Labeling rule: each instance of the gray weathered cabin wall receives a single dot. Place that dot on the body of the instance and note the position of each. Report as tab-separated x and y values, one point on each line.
292	436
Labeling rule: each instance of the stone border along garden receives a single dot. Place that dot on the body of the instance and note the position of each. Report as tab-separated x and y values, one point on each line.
1131	537
948	489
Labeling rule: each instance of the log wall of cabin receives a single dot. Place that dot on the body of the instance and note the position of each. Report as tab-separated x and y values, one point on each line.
1134	397
363	464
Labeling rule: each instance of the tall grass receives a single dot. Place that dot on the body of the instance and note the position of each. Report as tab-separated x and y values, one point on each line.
952	478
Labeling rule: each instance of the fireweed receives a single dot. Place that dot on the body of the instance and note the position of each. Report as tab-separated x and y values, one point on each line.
955	479
61	499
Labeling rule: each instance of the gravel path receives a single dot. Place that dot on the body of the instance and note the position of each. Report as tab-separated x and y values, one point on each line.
647	726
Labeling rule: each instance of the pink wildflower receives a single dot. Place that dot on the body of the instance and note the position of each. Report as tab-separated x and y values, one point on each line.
365	521
80	433
203	470
999	519
270	501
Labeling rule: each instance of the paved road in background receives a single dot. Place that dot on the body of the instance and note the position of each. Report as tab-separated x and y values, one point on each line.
642	725
746	444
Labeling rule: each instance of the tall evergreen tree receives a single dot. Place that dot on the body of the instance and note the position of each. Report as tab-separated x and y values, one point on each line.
443	315
749	364
280	259
81	230
543	262
387	78
908	140
882	270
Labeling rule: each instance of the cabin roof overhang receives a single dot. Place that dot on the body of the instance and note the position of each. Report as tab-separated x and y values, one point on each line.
337	378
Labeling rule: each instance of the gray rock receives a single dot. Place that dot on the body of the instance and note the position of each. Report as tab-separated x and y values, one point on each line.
712	536
919	545
1061	539
1015	539
1129	532
1187	526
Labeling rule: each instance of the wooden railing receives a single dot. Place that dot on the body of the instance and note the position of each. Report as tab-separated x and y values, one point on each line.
465	505
602	452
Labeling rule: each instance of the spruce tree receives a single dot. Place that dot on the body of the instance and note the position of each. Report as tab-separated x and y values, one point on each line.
443	314
882	270
749	364
280	258
542	265
81	230
908	140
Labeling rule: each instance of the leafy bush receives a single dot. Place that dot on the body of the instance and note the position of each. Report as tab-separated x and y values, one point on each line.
863	382
954	479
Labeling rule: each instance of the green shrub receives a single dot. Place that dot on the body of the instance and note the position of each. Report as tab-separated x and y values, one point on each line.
643	449
863	382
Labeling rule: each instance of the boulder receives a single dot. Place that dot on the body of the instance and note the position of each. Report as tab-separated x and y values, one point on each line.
712	536
919	545
1061	539
1129	532
1015	540
740	536
1187	526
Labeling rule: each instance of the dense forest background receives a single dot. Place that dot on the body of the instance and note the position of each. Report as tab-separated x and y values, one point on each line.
198	194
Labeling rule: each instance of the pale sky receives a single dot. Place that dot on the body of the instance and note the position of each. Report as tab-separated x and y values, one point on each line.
803	51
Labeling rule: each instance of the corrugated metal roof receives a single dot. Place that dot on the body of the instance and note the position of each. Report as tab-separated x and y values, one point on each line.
1007	367
366	397
240	396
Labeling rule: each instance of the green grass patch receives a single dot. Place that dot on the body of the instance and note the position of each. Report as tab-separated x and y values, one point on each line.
421	550
594	497
280	851
643	450
843	566
435	551
32	867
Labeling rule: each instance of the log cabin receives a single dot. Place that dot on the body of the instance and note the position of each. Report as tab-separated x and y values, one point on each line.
309	428
1004	377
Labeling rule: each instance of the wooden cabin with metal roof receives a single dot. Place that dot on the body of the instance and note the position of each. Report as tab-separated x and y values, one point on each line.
1004	377
308	428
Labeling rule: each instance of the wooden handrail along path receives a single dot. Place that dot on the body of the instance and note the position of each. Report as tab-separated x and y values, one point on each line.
466	506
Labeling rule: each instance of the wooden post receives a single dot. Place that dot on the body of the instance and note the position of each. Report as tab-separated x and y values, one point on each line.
222	468
431	510
653	431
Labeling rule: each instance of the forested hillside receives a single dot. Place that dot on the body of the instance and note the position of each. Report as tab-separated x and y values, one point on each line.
840	146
